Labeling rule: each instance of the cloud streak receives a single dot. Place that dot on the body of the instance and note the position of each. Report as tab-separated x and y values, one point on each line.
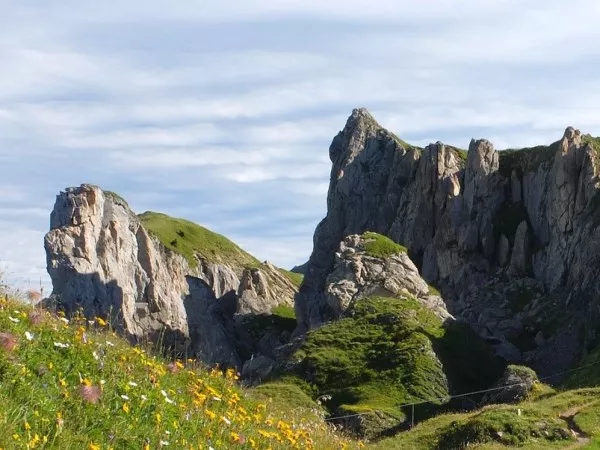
223	113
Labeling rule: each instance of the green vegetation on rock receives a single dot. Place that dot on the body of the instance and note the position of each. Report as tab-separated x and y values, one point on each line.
294	277
189	239
526	159
380	246
386	353
116	198
539	423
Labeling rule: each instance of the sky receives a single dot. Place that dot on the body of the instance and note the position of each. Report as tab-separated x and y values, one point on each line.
222	112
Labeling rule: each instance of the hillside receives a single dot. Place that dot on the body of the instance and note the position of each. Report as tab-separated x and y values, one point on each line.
75	384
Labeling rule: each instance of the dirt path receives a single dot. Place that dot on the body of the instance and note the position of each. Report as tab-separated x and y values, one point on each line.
581	436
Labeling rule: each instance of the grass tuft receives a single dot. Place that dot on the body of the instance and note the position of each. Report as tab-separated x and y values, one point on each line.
380	246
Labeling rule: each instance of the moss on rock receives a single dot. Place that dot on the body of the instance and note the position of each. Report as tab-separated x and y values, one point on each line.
380	246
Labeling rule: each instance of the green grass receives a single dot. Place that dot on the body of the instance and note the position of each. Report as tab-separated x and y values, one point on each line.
433	290
526	159
462	154
383	354
538	426
380	246
295	278
116	198
189	239
141	397
281	319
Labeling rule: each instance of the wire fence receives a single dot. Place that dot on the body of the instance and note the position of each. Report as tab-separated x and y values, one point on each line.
466	394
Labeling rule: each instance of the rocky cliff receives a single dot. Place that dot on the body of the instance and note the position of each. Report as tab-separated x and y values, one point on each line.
156	277
509	237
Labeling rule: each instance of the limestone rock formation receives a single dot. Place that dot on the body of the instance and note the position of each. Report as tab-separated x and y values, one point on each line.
506	235
102	259
358	274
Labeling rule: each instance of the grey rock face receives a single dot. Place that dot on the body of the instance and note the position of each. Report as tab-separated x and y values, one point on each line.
357	275
519	262
101	259
488	222
261	289
516	384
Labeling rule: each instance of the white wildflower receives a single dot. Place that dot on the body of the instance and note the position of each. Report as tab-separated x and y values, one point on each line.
124	397
28	336
61	345
226	420
65	320
12	319
133	384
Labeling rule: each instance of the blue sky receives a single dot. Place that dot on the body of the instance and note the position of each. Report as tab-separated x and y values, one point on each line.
223	112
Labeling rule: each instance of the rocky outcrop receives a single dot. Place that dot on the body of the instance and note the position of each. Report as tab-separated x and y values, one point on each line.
102	259
513	387
357	274
479	227
262	288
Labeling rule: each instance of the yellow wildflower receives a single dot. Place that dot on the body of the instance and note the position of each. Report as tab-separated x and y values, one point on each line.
126	408
101	321
93	446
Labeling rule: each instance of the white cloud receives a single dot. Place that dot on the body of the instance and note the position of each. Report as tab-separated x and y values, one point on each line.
224	112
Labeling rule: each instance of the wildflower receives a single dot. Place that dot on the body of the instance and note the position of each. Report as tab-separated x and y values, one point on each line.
144	398
164	443
225	420
110	344
28	336
126	408
95	355
124	397
90	394
8	341
35	317
65	320
93	446
158	418
172	368
13	320
210	414
61	345
179	364
132	384
101	321
27	426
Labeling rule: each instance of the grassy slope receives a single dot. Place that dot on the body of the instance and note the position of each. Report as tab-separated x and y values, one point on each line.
538	426
142	398
381	356
188	239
